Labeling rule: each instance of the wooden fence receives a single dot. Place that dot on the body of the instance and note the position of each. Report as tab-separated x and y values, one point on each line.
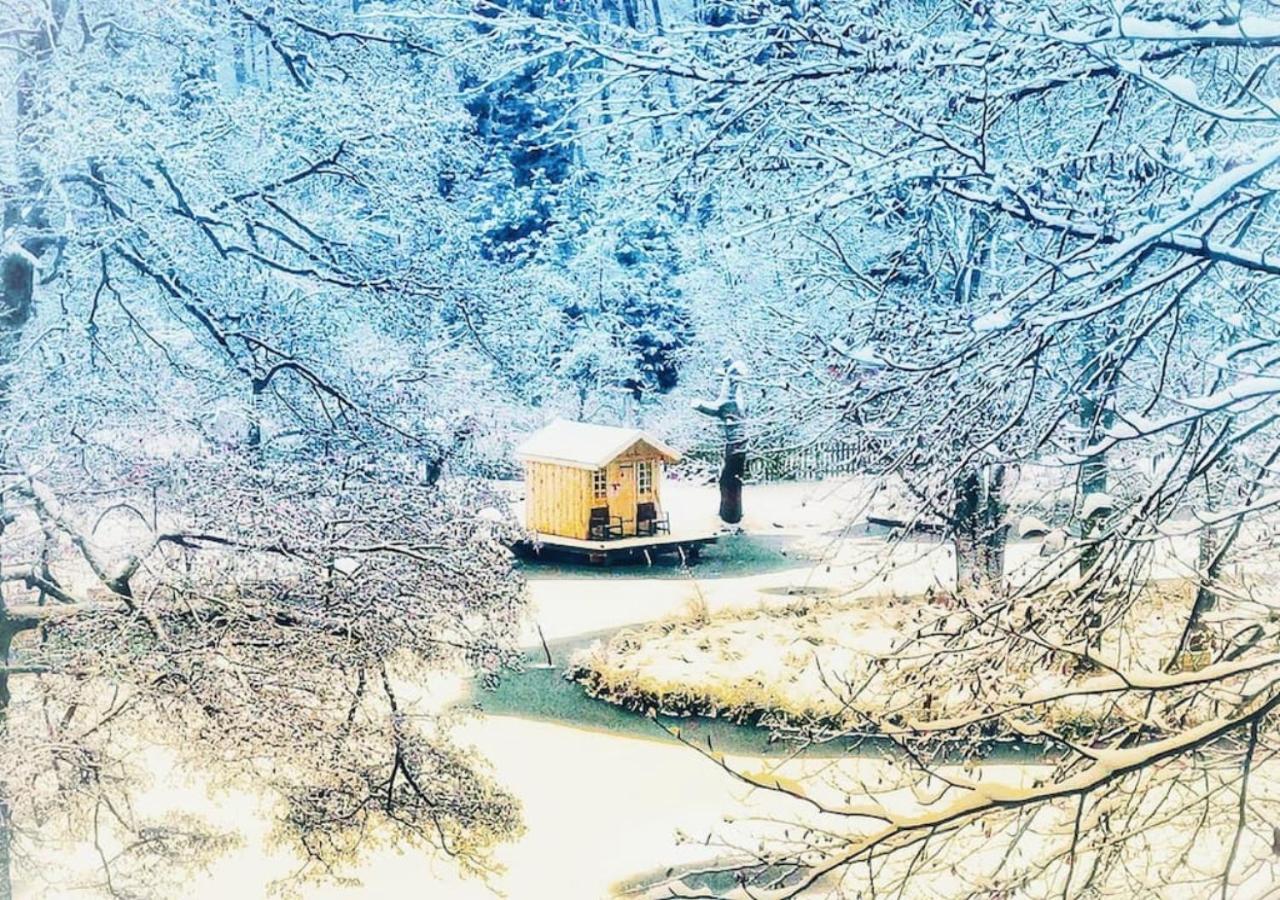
807	462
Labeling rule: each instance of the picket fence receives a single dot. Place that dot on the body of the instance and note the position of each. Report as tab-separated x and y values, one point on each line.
807	462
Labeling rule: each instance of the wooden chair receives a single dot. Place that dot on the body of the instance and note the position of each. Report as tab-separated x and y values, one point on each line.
648	522
603	527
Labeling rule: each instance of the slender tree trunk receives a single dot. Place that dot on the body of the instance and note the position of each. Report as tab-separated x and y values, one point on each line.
18	275
978	513
15	311
1209	563
6	862
17	286
965	531
6	850
996	531
1093	482
1097	414
254	438
1213	549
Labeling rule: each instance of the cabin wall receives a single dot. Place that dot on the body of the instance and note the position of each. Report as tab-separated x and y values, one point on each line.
622	493
641	452
624	486
634	456
557	499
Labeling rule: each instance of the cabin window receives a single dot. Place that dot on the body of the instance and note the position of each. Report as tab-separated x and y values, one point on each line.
599	484
644	477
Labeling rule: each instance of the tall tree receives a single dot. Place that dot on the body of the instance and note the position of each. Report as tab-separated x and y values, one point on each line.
231	283
1122	326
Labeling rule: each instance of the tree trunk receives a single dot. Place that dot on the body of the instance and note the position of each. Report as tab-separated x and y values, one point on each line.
21	188
17	272
254	438
1093	481
6	853
995	530
966	533
18	283
23	222
979	534
1097	414
1212	553
6	884
731	474
730	410
18	275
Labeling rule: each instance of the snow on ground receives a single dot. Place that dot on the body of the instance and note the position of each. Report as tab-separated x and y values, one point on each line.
600	808
795	658
597	809
809	518
826	553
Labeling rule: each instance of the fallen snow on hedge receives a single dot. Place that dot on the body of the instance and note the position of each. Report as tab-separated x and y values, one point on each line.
842	664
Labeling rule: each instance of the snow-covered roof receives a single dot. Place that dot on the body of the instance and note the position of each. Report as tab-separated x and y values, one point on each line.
586	446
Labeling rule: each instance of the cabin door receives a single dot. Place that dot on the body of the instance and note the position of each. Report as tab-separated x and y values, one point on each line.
622	496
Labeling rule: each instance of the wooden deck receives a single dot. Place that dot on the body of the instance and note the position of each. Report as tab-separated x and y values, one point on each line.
630	549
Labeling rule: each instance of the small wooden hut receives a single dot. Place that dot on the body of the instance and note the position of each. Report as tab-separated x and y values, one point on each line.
594	482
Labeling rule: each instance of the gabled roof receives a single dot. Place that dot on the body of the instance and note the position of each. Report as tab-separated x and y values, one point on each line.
586	446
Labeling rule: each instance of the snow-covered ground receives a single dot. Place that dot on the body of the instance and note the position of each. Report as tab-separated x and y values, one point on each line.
599	807
598	810
809	519
794	662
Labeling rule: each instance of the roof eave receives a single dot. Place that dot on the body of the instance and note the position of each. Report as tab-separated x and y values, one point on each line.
667	453
557	461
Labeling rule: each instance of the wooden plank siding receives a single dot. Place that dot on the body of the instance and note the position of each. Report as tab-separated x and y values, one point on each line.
559	498
627	500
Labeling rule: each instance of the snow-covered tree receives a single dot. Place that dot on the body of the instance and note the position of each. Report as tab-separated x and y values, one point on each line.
235	366
1024	235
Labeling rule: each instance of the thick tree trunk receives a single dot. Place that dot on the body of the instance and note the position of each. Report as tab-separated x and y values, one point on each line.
979	533
730	410
18	275
731	474
23	221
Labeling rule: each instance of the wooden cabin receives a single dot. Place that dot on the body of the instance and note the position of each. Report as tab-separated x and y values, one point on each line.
594	482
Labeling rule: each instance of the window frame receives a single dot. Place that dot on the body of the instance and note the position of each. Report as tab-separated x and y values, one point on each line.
644	476
600	484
